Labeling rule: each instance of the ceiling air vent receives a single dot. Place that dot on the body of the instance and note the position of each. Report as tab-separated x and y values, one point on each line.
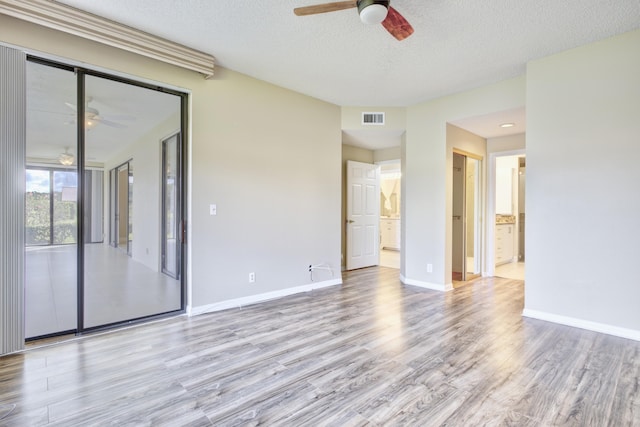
373	118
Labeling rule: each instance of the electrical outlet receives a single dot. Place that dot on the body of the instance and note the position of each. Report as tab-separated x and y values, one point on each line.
252	277
429	268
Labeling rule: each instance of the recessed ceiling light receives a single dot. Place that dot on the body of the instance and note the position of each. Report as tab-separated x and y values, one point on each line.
507	125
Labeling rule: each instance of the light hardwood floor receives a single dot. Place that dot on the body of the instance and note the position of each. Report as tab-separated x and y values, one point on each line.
369	352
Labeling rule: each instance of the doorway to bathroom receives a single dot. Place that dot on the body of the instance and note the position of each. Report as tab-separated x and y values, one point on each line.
390	213
510	216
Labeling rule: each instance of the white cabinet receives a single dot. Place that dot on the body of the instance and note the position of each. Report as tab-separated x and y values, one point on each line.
390	233
504	243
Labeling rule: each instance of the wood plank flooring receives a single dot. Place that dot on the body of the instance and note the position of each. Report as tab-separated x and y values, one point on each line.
369	352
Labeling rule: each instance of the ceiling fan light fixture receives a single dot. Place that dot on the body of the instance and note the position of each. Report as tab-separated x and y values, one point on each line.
66	158
90	115
373	11
89	121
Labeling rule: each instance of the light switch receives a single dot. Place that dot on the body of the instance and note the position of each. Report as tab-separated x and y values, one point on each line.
213	209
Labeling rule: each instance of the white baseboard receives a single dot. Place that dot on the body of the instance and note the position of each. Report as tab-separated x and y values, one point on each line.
426	285
254	299
617	331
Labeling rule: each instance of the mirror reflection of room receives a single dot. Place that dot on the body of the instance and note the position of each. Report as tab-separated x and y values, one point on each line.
127	250
390	190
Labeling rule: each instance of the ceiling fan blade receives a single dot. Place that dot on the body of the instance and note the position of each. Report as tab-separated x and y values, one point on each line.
324	8
397	26
72	106
110	123
35	110
119	117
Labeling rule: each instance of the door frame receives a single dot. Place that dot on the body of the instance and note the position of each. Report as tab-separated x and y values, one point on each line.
114	206
398	162
479	208
179	199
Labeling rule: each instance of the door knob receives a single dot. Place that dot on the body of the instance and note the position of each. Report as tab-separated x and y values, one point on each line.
349	221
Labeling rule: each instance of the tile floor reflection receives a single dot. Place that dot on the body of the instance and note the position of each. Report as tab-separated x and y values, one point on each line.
512	270
117	288
390	258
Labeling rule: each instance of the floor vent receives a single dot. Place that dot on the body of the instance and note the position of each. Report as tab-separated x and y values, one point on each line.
373	118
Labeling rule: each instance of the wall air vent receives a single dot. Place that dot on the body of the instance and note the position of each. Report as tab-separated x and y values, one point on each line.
372	119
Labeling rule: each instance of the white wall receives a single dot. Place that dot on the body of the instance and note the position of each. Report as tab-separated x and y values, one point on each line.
271	160
506	143
427	187
269	157
583	110
386	154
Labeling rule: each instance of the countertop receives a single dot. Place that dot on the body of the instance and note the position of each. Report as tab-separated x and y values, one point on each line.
505	219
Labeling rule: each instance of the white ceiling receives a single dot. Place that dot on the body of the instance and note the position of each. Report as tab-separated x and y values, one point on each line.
457	45
377	139
489	125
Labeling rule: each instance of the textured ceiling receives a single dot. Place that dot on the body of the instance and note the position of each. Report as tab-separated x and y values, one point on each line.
457	45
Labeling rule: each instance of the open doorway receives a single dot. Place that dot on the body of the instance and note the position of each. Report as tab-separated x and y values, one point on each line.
121	191
390	222
386	208
372	208
510	186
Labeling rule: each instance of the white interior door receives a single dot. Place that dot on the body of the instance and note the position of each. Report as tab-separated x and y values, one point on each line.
363	215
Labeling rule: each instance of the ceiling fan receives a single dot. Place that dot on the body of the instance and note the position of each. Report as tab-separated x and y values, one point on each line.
370	11
93	117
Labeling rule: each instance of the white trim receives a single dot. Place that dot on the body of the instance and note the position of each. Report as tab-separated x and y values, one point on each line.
617	331
258	298
433	286
92	67
70	20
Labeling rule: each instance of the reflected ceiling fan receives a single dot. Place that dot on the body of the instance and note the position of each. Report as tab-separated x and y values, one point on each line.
93	117
370	11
